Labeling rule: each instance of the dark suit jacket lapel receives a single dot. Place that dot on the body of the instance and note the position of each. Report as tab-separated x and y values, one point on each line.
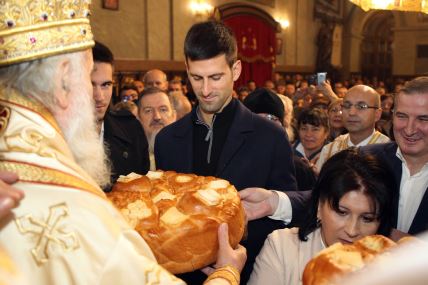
184	143
420	222
241	126
395	165
111	129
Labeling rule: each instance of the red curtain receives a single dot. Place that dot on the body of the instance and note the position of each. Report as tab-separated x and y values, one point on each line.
256	48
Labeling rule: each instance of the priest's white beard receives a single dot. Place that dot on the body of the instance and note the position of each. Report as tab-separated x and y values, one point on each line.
83	139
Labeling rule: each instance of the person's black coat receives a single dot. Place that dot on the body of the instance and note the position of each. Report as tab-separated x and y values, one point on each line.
387	153
256	153
126	144
305	175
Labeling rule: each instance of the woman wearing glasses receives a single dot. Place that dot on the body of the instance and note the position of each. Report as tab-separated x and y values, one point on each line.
335	120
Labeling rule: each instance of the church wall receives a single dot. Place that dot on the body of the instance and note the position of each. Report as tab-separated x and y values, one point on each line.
411	29
147	33
123	31
183	20
158	32
154	30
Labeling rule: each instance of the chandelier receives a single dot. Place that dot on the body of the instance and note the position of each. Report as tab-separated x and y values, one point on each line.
201	9
399	5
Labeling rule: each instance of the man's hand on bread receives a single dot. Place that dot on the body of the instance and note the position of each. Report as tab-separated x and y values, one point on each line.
258	202
9	195
396	235
226	254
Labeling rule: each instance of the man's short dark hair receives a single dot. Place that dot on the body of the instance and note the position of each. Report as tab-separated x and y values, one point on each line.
101	53
150	91
417	85
280	82
243	89
128	87
210	39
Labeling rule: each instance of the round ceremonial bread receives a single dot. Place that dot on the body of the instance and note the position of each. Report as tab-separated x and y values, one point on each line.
179	214
339	259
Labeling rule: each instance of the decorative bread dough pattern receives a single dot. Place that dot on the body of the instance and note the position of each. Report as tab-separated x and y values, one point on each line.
178	215
339	259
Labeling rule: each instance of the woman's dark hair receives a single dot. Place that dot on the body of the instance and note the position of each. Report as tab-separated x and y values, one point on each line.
315	117
352	170
386	96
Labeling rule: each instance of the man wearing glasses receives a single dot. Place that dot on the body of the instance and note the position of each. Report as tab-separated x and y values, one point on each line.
361	110
407	157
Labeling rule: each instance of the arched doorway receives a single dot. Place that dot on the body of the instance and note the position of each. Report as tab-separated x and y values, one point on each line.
255	31
376	47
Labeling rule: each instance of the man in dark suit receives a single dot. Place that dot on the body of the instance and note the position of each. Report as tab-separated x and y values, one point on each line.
221	137
121	132
407	158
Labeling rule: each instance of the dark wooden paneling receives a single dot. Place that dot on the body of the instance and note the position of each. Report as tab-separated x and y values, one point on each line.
295	68
130	65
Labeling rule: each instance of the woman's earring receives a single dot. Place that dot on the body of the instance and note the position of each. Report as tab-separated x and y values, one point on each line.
318	222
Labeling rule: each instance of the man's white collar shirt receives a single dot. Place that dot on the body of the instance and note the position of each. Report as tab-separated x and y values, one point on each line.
412	190
301	149
362	143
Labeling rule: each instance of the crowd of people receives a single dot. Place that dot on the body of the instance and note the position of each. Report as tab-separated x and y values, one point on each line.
314	164
314	115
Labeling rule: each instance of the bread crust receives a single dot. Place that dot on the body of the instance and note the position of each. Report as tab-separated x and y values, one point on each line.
179	214
340	259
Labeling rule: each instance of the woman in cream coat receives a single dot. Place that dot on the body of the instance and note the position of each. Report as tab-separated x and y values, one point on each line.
350	200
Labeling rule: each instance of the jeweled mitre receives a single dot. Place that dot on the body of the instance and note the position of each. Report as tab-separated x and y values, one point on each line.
32	29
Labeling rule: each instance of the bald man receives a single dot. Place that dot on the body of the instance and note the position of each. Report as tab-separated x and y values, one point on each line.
361	110
181	104
155	78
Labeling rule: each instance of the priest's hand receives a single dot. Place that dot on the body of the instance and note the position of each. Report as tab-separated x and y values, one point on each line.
9	195
227	256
